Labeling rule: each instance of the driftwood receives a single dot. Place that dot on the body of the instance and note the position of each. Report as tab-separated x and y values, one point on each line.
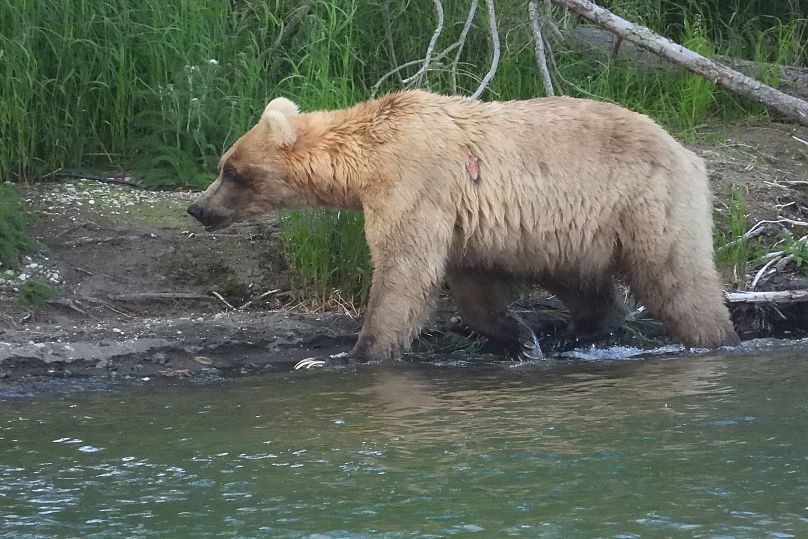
779	296
791	107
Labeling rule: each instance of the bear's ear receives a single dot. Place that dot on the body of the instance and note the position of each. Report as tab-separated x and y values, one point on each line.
280	128
284	106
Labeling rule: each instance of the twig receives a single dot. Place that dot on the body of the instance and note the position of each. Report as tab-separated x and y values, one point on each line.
759	275
756	230
780	296
220	298
437	58
428	58
792	221
798	139
85	241
259	298
538	42
98	301
147	296
461	42
783	263
492	24
113	309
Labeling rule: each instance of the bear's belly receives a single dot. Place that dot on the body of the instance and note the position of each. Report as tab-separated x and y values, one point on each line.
535	255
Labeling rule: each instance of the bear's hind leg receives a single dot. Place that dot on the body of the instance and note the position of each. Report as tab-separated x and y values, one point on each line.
683	289
596	308
482	300
689	301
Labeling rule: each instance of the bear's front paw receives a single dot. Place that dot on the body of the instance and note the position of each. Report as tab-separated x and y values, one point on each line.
334	360
309	363
371	350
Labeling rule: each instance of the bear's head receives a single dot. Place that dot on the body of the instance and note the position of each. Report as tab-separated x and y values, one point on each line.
254	174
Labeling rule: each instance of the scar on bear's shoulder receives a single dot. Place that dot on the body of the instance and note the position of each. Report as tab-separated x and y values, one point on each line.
473	167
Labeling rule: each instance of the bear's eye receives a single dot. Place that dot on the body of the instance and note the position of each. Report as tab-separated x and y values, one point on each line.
231	175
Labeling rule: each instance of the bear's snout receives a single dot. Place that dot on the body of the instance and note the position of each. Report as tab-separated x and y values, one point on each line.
211	220
196	211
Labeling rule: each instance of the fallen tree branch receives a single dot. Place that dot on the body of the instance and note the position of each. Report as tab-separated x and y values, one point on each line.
600	44
791	107
108	239
259	298
492	26
220	298
780	296
156	296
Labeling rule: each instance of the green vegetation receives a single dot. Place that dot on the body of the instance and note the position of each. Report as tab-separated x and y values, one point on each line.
163	87
35	291
798	248
14	238
733	251
329	255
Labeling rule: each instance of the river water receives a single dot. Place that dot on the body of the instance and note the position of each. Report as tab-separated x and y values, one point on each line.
666	447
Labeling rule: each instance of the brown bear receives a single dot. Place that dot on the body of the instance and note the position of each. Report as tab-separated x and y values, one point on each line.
568	193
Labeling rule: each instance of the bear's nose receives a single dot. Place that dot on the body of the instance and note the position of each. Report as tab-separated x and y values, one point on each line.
195	211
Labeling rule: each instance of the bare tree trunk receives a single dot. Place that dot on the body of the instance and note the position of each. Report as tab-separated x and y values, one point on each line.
538	43
789	106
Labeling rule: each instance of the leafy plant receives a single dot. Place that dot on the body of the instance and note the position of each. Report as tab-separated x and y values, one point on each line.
14	238
733	251
797	248
36	291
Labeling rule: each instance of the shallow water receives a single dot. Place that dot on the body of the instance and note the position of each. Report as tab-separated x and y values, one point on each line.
690	447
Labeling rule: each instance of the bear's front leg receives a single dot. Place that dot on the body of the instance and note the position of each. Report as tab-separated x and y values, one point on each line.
409	262
400	302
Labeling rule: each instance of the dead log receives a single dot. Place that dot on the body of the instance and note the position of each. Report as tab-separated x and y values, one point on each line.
791	107
599	45
779	296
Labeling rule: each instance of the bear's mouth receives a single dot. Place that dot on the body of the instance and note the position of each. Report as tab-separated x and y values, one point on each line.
212	225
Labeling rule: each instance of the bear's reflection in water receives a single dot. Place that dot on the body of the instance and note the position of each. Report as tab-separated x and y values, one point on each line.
450	404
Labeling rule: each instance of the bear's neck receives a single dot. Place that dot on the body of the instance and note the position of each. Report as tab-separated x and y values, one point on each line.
338	151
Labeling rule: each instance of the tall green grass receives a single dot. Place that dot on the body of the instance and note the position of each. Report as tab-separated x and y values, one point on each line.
164	87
